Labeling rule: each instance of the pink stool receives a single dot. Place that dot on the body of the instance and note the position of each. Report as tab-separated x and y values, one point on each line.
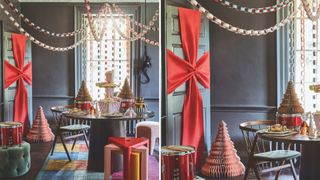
150	130
127	145
108	149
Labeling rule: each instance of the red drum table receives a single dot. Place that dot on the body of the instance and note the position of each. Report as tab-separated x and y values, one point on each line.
310	157
101	129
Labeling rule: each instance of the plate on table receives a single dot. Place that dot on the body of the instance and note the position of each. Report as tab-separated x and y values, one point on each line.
278	133
113	115
78	113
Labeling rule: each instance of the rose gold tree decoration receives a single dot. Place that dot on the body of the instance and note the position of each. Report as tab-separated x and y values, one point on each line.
127	97
40	131
290	111
223	161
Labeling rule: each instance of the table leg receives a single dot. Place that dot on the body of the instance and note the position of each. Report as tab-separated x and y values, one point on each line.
310	162
99	133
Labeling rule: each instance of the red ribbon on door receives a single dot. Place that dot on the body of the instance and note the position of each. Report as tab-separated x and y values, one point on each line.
191	71
21	74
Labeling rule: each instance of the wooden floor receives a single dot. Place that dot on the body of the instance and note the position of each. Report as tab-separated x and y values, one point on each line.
39	153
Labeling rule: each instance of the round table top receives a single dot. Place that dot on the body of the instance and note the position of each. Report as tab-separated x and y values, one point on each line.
293	138
90	117
64	111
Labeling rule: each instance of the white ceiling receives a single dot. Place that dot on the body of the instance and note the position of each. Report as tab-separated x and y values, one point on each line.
82	1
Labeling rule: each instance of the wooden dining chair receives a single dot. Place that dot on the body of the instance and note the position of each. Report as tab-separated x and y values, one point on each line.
70	128
266	156
57	112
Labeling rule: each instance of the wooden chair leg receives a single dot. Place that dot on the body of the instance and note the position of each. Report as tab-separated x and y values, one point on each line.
246	174
293	170
65	147
54	144
86	139
74	143
256	172
279	171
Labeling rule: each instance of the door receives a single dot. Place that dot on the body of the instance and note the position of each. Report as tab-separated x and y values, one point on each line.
175	100
10	92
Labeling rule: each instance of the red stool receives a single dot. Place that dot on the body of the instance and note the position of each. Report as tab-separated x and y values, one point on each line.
127	144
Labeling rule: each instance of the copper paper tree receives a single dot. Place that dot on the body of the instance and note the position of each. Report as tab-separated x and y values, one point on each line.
83	94
223	160
290	103
126	92
40	131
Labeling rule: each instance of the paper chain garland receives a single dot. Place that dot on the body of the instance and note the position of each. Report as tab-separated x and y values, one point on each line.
137	35
308	11
43	45
238	30
303	56
69	34
262	10
151	23
91	22
37	42
38	28
108	12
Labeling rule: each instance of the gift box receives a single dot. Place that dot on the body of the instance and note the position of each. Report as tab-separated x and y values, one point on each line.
83	105
290	120
125	104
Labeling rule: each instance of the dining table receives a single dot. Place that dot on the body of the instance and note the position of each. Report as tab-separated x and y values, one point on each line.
310	152
101	128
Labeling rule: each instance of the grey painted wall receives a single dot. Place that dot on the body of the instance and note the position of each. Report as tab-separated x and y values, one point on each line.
53	72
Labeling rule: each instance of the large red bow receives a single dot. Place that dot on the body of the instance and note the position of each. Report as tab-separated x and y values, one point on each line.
20	73
179	71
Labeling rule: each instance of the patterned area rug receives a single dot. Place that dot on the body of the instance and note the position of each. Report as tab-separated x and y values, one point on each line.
57	166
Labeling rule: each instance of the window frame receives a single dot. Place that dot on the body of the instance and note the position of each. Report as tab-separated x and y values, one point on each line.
133	9
283	50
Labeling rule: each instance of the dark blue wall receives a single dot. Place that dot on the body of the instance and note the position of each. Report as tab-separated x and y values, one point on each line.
53	72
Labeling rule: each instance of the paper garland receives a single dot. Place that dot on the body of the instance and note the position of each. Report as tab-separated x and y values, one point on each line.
261	10
308	11
73	33
105	11
149	27
238	30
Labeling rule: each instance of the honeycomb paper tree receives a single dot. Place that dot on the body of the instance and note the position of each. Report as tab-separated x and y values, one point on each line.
223	160
126	92
40	131
83	94
290	103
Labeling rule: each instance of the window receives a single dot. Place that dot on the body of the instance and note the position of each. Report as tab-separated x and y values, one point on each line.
303	71
112	53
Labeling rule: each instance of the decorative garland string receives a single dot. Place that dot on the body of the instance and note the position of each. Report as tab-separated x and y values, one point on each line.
238	30
303	57
48	47
37	42
308	11
96	36
40	29
261	10
151	23
108	9
13	8
115	25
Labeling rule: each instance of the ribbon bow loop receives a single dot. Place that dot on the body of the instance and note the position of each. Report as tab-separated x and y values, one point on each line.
181	70
19	74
